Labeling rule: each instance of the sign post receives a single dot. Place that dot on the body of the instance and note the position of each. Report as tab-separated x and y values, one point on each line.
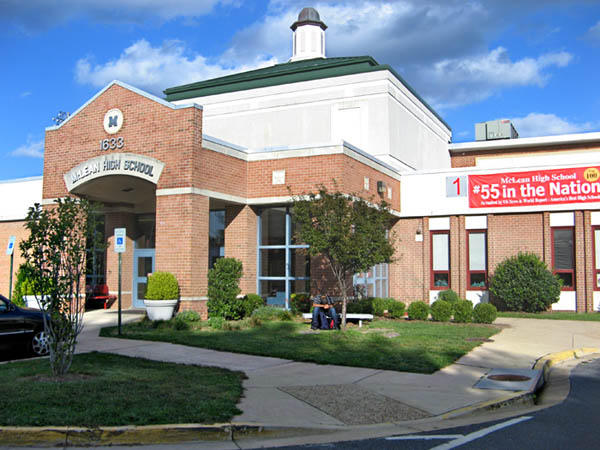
10	250
120	245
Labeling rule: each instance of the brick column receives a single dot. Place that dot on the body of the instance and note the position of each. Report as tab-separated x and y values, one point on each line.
580	261
241	227
182	223
590	278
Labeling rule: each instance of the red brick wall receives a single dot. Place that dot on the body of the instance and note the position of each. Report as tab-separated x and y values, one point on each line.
241	224
7	229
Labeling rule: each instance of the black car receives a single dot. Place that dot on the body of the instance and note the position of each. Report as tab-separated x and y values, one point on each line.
22	327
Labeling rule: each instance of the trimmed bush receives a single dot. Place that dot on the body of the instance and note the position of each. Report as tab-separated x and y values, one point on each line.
223	289
463	311
216	322
362	306
267	313
188	316
524	283
300	303
395	309
484	313
448	295
162	286
418	310
441	311
252	302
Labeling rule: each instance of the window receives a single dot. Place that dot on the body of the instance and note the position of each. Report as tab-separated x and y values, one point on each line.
477	251
373	283
440	260
216	237
596	231
563	258
282	267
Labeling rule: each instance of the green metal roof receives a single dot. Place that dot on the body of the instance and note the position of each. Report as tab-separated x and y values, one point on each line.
286	73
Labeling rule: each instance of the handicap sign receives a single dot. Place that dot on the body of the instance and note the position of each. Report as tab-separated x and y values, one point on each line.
11	245
120	241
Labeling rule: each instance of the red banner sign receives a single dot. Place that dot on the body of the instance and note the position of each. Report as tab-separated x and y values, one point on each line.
536	187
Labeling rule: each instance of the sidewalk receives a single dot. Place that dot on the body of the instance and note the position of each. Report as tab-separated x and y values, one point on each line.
283	393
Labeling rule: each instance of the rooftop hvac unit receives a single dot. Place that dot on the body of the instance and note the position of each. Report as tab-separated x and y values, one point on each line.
495	129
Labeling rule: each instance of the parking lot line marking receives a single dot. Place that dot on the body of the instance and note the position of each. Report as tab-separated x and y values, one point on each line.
479	434
423	438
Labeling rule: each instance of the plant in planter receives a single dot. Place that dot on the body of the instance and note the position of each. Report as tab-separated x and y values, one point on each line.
162	296
24	292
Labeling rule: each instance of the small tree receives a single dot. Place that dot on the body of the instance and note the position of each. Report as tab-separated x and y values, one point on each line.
223	289
351	235
524	283
56	253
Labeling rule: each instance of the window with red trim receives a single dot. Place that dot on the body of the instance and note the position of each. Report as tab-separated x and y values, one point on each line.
440	260
563	256
477	254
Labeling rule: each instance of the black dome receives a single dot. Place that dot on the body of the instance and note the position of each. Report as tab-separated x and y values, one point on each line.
309	14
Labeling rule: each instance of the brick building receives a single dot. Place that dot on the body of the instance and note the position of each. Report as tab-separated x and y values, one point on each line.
210	171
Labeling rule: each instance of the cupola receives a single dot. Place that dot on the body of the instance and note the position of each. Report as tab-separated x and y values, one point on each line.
309	36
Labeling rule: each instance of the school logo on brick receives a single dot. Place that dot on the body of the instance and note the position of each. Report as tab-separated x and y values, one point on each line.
113	121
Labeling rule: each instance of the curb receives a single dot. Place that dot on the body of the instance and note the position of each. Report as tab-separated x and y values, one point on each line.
528	397
547	361
140	435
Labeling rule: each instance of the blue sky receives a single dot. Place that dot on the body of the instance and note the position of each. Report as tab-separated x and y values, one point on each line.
535	62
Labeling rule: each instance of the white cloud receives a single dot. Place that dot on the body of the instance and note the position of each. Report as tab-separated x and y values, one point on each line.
538	124
454	82
32	148
593	34
156	68
35	15
25	94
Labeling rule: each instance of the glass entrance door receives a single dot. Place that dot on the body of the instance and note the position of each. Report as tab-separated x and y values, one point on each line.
143	264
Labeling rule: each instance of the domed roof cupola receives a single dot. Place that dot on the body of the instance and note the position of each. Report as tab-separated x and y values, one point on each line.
309	36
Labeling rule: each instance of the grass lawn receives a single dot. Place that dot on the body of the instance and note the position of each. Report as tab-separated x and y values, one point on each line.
553	315
103	389
422	347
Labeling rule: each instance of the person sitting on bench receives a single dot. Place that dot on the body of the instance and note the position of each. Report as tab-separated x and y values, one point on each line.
322	308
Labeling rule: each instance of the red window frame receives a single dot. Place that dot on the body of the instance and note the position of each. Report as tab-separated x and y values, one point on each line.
572	270
596	248
472	272
435	272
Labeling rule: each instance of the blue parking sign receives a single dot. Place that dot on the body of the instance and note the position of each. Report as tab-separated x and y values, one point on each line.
120	241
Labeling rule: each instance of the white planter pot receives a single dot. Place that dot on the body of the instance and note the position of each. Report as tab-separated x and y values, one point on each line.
31	301
160	309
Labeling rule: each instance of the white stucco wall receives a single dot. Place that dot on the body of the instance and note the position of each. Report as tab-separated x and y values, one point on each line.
17	196
372	111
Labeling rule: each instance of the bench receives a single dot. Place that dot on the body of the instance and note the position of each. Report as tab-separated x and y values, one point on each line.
349	316
100	294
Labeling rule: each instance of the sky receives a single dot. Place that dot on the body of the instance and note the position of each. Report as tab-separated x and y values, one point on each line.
532	61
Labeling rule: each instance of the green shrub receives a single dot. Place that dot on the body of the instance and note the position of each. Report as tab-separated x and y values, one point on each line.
252	302
268	313
180	324
300	303
162	286
448	295
216	322
23	286
223	289
396	309
254	322
484	313
188	316
418	310
362	306
441	311
387	307
463	311
524	283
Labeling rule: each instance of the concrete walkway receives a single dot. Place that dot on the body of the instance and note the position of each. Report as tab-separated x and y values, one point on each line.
285	393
